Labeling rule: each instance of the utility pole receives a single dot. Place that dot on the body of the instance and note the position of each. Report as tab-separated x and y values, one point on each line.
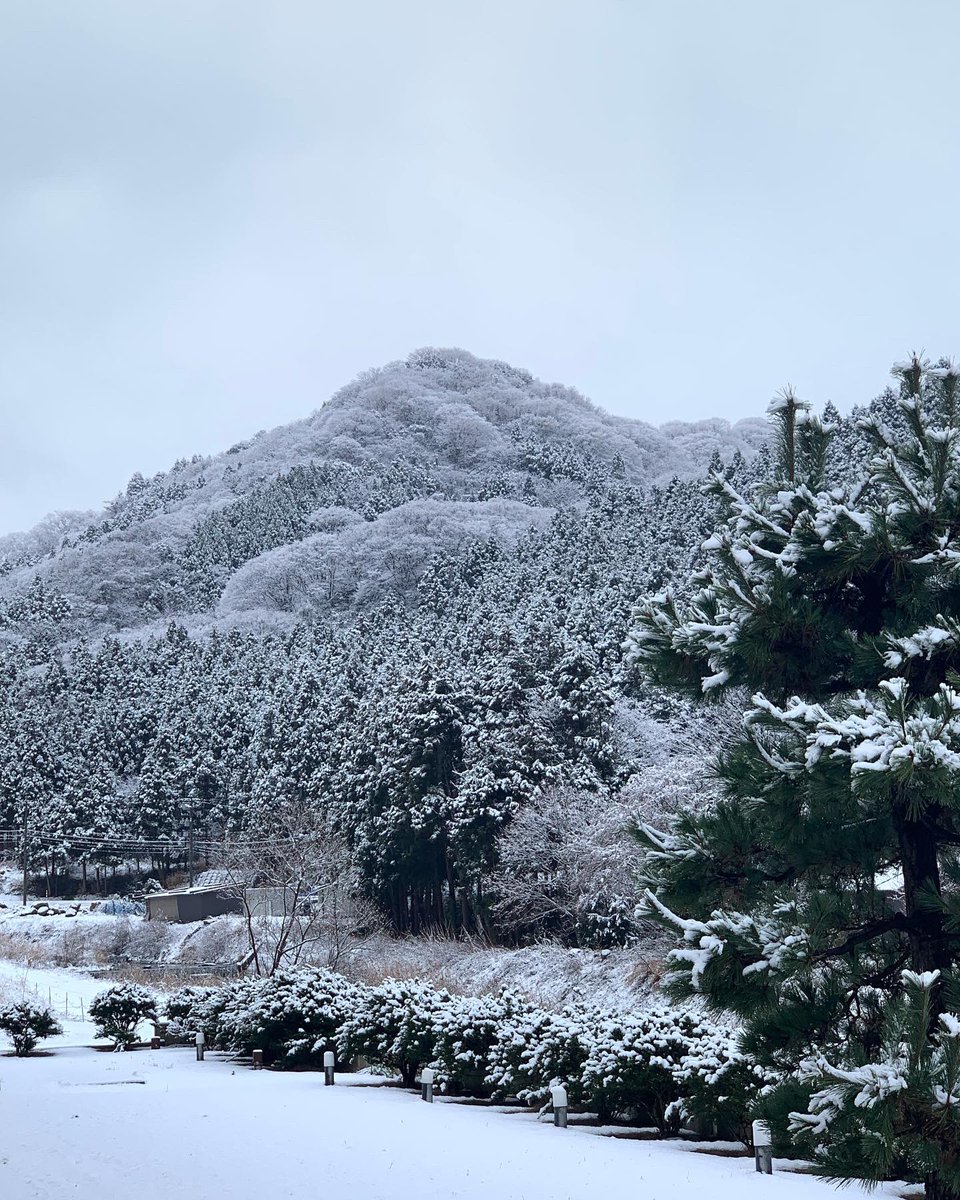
191	852
25	853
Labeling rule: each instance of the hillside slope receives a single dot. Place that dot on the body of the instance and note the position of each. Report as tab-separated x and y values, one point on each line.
403	615
419	641
408	460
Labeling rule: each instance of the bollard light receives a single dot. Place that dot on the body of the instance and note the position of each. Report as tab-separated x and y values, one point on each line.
558	1097
763	1147
427	1076
201	1040
258	1060
329	1063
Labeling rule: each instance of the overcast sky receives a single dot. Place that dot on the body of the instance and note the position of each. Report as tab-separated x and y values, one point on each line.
212	215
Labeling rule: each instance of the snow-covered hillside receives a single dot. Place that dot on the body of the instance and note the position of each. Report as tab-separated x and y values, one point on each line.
419	456
407	609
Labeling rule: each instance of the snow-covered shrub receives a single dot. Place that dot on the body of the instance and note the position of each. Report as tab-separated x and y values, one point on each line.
566	870
395	1026
632	1064
466	1030
192	1008
120	1009
293	1016
535	1049
606	917
718	1083
217	1014
25	1024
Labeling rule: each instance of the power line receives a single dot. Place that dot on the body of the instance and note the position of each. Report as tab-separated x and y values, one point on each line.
69	841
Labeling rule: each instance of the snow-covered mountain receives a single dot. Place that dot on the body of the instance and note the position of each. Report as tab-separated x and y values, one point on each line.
348	506
407	610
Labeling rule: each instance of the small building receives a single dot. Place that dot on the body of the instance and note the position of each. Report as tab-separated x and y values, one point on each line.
191	904
270	901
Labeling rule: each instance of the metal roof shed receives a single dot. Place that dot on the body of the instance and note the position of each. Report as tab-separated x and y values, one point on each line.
191	904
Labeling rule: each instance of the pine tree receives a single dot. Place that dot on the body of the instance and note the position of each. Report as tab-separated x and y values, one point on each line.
838	607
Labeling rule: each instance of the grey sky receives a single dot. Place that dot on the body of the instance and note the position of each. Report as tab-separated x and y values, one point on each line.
212	215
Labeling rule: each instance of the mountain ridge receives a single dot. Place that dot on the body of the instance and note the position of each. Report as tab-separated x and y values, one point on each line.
440	427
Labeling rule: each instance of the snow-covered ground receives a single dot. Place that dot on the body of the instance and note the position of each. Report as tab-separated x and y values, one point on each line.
157	1124
66	993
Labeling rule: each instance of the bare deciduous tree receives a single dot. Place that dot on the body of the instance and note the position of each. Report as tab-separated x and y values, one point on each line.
565	858
298	888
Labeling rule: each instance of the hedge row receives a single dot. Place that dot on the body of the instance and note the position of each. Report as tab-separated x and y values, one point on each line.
657	1066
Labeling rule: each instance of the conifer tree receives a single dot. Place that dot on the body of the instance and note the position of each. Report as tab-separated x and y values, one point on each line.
818	899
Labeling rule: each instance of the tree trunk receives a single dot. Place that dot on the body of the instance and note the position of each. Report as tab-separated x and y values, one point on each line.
936	1188
929	946
453	920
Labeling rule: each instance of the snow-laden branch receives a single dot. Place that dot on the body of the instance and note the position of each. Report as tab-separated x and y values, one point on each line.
770	942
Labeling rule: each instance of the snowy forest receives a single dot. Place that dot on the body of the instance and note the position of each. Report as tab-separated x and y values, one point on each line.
408	610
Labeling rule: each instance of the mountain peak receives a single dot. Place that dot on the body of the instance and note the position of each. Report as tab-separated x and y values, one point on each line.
439	447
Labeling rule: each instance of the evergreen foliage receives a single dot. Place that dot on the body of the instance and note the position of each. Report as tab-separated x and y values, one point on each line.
632	1063
190	1010
293	1017
119	1010
25	1024
465	1031
422	730
394	1026
536	1049
827	868
659	1065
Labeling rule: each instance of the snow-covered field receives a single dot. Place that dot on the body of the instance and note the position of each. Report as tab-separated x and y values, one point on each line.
66	993
78	1121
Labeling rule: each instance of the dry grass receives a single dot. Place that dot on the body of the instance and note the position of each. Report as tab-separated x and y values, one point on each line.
546	974
646	974
21	949
426	958
160	980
